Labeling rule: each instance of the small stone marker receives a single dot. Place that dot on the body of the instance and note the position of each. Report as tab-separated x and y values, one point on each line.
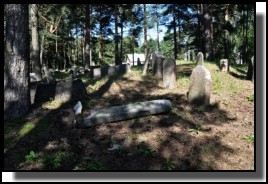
224	65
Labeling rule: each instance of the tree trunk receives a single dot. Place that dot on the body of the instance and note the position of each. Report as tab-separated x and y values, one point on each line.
157	30
17	56
117	62
121	43
208	33
146	62
77	45
35	42
199	17
87	37
174	34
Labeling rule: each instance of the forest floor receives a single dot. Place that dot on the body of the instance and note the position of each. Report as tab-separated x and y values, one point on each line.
217	137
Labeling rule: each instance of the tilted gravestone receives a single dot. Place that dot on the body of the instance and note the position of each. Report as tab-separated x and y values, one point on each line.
97	73
157	64
200	84
224	65
200	58
169	73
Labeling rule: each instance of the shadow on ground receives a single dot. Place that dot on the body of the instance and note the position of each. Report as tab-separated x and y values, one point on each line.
169	141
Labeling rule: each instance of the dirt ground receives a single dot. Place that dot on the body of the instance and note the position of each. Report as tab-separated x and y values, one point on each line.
189	137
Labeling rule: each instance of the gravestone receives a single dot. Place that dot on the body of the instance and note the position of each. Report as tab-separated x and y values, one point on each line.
157	64
224	65
98	73
200	58
200	84
169	73
63	90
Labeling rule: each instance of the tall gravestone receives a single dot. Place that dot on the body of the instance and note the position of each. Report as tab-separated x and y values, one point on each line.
169	73
200	83
200	58
157	64
224	65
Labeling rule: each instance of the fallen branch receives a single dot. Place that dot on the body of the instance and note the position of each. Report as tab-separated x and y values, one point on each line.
129	111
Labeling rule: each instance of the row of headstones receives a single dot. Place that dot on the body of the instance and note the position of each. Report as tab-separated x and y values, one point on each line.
164	68
100	72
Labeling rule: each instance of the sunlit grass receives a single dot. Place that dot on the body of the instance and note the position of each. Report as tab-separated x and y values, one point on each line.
96	84
26	128
53	104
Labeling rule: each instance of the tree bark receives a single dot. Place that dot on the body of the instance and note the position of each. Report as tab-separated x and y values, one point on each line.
117	62
174	34
35	42
146	62
17	56
208	33
87	37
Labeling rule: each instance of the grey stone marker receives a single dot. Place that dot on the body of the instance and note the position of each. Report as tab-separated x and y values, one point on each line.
169	73
224	65
200	58
200	85
157	64
123	112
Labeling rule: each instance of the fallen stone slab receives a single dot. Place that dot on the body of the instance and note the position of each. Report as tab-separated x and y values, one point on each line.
124	112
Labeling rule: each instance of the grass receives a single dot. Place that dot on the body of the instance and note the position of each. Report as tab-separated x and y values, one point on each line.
96	84
170	164
146	150
89	164
56	160
32	157
52	104
249	138
198	128
26	128
223	83
250	98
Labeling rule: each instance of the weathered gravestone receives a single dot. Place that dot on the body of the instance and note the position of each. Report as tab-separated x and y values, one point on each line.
63	90
200	58
224	65
157	64
200	84
97	73
169	73
124	112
